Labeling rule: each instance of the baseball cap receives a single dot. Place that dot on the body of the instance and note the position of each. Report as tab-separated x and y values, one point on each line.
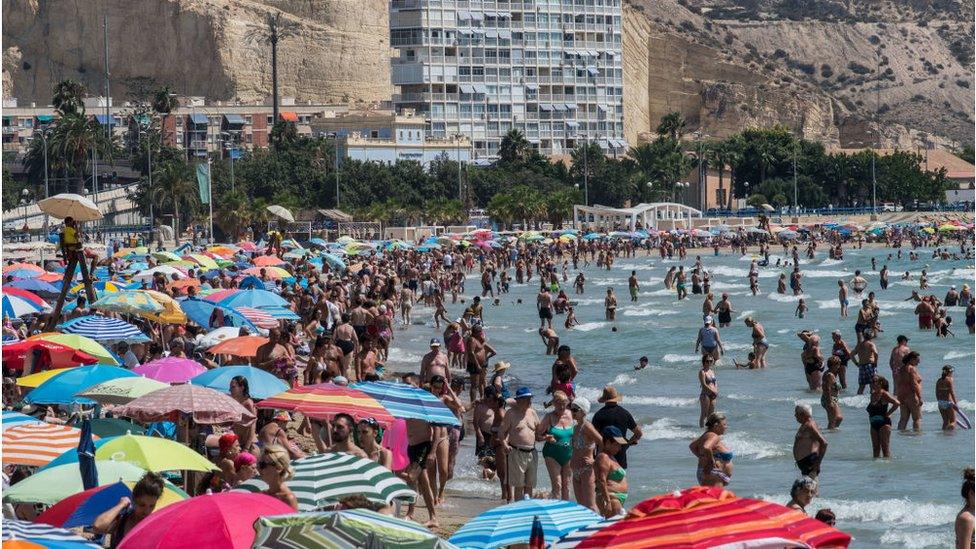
523	392
614	433
708	320
582	403
434	342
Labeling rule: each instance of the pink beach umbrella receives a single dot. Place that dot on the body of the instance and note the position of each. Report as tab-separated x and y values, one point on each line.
170	369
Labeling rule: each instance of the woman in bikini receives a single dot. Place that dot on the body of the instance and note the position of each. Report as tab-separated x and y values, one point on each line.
830	387
879	416
811	358
611	478
446	439
714	457
368	441
556	430
945	395
759	343
584	442
709	388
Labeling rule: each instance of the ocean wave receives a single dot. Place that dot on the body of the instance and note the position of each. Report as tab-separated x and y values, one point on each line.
953	355
915	539
787	298
900	512
747	445
828	262
743	314
667	429
824	273
398	355
647	311
589	326
674	357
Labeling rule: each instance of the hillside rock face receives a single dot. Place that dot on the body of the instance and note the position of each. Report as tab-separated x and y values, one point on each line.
340	51
849	72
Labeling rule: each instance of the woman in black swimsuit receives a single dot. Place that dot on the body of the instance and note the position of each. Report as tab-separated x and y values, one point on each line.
879	415
121	519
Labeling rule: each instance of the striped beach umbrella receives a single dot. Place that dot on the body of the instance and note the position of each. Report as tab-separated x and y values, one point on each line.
202	261
326	400
258	317
20	266
676	520
570	540
37	443
11	418
103	328
324	479
347	529
129	301
16	306
512	523
409	402
26	294
42	535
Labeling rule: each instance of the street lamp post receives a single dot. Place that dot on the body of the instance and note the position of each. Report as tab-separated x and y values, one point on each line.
586	173
335	137
796	211
47	188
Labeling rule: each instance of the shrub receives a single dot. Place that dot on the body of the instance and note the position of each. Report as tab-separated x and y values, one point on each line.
962	83
858	68
826	71
874	39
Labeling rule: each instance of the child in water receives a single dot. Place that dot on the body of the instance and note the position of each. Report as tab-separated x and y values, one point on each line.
801	308
750	364
571	319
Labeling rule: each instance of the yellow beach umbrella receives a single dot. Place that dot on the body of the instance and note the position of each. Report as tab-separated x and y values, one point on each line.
35	380
81	343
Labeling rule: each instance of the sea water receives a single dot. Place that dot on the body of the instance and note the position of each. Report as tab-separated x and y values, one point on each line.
910	500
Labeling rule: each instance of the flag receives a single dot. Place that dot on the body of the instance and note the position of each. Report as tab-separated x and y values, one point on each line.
537	540
203	179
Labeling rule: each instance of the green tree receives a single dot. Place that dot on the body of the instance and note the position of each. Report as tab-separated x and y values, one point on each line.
69	97
672	126
164	101
559	205
514	148
175	188
276	28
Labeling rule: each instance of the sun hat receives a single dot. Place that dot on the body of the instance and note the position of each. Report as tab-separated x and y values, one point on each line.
610	394
502	366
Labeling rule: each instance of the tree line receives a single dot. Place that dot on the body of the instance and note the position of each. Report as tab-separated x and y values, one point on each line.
520	186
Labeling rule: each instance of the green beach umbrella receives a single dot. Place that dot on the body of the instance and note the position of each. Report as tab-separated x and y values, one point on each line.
324	479
115	427
348	529
153	454
122	390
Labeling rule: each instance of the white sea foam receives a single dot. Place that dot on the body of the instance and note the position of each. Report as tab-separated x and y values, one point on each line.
828	262
787	298
747	445
745	313
913	539
647	311
953	355
399	356
589	326
668	429
825	273
899	512
737	346
674	357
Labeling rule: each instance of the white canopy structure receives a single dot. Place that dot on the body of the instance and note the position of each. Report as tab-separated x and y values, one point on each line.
657	215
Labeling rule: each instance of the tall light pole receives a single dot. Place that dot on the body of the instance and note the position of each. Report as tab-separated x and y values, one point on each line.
457	156
47	188
335	143
231	151
795	208
149	166
586	173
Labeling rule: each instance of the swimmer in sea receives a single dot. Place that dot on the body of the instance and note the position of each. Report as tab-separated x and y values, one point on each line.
571	319
641	364
801	308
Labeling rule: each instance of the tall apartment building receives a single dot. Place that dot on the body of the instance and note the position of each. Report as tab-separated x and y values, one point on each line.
551	68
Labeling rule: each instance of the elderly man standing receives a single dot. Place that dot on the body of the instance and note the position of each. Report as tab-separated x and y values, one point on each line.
517	436
809	445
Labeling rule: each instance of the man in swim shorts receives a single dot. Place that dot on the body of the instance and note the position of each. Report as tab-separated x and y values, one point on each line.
809	445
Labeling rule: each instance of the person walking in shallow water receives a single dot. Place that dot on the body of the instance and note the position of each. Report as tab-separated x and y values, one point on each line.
879	416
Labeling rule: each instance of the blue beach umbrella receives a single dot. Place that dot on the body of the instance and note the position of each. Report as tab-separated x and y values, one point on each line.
11	418
334	261
34	285
44	535
261	384
61	388
103	328
318	242
512	523
199	311
408	402
253	298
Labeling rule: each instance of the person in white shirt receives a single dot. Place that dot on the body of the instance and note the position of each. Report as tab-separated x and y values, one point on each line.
129	359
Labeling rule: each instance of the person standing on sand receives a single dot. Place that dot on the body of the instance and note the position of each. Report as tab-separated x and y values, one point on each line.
518	435
809	445
616	415
556	431
909	392
434	363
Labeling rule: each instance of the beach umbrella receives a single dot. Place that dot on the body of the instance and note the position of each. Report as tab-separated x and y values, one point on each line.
11	418
20	266
512	523
182	285
26	294
767	207
171	313
281	212
325	400
257	299
261	384
129	301
206	406
270	272
62	356
324	479
61	388
570	540
15	306
262	318
21	273
79	343
101	287
676	519
17	532
700	233
246	346
170	369
202	261
316	241
409	402
113	427
121	390
37	443
222	520
33	285
346	529
103	328
70	205
268	261
200	311
788	234
215	336
52	485
82	508
153	454
334	261
166	256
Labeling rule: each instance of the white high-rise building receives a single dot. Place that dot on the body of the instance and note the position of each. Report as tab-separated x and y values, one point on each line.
551	68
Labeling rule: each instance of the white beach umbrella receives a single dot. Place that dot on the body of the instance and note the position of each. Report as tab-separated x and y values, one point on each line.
282	212
70	205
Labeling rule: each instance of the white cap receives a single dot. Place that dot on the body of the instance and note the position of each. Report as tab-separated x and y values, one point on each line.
708	320
582	403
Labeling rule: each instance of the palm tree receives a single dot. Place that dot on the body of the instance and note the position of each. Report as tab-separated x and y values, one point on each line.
232	214
174	185
559	205
69	97
672	125
731	156
276	28
514	147
501	208
73	140
164	101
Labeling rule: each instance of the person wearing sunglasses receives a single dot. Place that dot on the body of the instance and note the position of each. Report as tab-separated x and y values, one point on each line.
275	470
368	441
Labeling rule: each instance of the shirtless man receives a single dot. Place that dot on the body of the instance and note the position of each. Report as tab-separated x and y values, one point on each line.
406	304
796	281
476	360
551	340
842	297
517	437
925	312
866	358
633	286
340	434
482	418
896	357
909	393
434	363
366	360
360	318
419	446
858	283
269	353
809	445
724	311
543	303
865	319
347	341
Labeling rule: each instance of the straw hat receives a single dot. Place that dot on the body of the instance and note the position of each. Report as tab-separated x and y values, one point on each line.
610	394
502	366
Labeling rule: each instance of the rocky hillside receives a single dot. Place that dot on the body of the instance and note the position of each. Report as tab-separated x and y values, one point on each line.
827	68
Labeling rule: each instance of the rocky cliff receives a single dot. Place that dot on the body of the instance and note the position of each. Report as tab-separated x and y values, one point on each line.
896	73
